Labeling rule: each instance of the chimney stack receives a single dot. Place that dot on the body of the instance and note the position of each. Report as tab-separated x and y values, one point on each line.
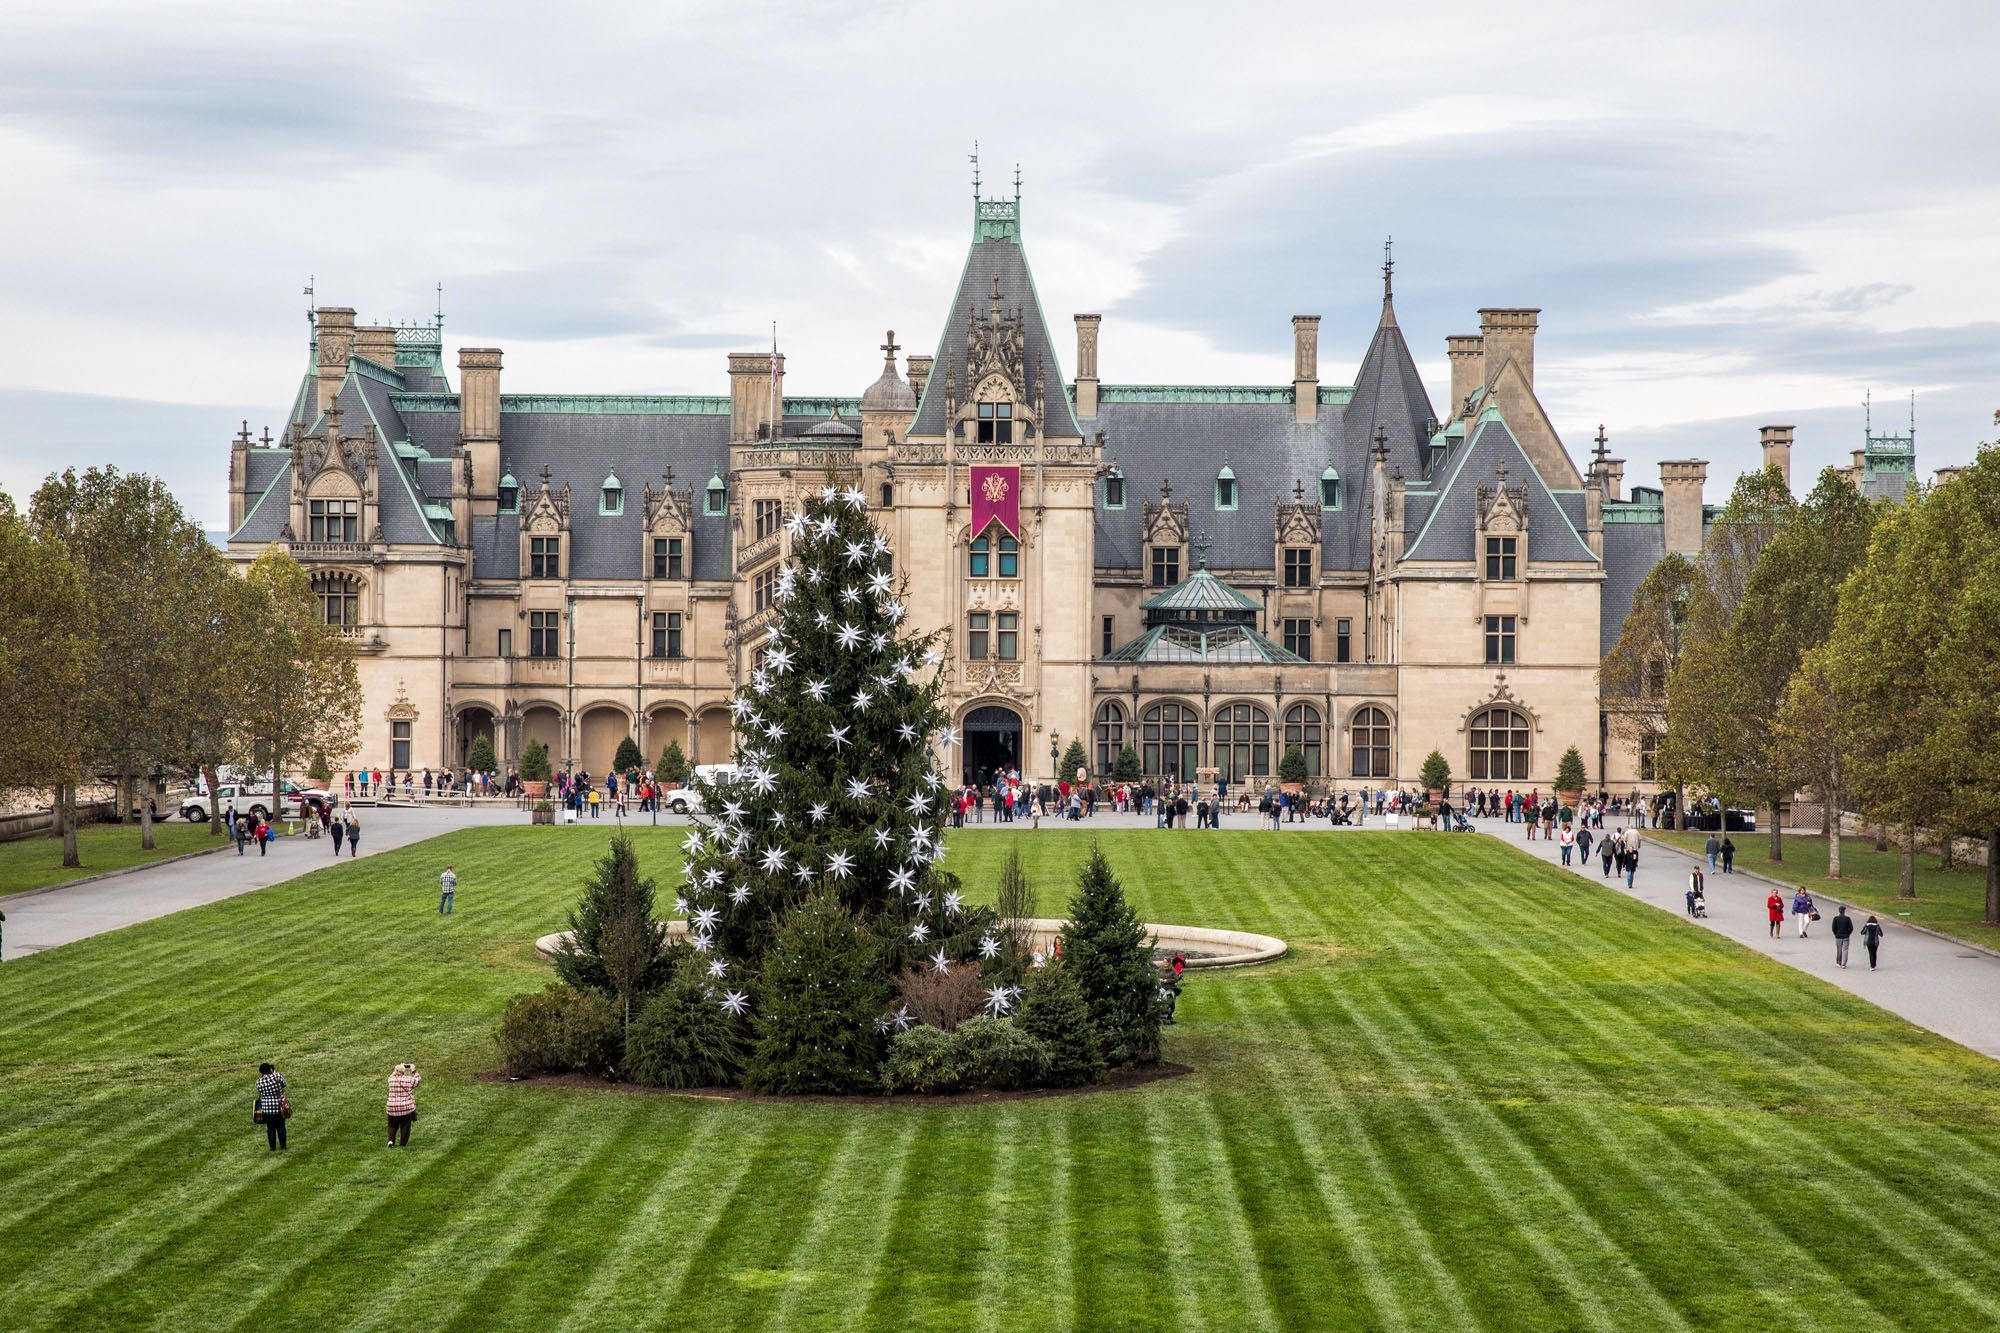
479	415
377	343
1613	472
1509	335
1466	352
1777	442
1680	496
919	374
333	337
1305	367
1086	365
756	409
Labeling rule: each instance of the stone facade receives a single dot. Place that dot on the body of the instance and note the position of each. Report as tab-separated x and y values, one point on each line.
1205	573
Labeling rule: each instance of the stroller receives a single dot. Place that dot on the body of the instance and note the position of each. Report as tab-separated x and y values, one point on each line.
1459	823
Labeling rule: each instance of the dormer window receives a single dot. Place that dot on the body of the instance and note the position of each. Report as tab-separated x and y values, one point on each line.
611	499
333	520
1502	558
510	494
1114	489
996	423
716	499
1225	488
1329	488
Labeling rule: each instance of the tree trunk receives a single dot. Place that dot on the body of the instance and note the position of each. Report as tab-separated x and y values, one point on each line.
123	802
277	786
1680	806
66	821
1947	845
1881	837
1833	837
1777	829
214	804
1993	877
1906	884
146	819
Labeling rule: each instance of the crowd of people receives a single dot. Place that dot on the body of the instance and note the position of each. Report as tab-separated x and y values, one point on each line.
410	784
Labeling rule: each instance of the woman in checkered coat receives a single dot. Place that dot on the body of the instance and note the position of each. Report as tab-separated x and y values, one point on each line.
271	1105
403	1080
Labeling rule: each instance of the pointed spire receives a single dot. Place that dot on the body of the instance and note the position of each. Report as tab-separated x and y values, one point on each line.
1388	320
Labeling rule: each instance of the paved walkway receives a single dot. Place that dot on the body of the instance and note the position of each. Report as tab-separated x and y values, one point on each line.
43	918
1937	983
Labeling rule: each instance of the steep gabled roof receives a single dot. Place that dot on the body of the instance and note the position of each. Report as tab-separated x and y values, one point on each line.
996	253
1451	521
1389	394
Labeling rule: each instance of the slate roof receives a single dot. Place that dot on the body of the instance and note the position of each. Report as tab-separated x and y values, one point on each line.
1449	503
1222	643
1630	552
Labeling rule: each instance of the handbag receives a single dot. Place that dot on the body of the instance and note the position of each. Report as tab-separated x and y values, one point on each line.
256	1116
1814	917
285	1107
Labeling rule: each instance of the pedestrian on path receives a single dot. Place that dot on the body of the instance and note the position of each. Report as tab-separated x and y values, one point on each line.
1605	850
1871	939
238	830
1567	838
1583	841
272	1106
337	827
263	834
403	1080
1842	926
447	886
353	835
1713	849
1774	906
1728	855
1803	910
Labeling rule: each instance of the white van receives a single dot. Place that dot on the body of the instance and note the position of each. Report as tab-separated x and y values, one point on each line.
687	800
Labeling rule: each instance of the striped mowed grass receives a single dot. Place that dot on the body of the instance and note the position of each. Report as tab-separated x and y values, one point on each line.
1478	1093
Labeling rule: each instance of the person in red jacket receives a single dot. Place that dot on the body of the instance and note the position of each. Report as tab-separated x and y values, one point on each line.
1774	907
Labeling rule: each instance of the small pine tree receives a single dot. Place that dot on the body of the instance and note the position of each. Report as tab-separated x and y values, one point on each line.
1074	758
628	757
1292	765
1569	771
1054	1013
480	758
673	765
1127	768
319	771
682	1038
823	989
1014	904
535	762
615	945
1436	773
1105	943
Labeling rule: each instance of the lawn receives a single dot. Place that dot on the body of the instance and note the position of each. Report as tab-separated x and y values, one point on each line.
1950	901
1478	1093
36	863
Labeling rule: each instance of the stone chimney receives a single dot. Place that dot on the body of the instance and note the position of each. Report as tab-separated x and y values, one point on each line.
1086	364
1777	442
919	373
1612	470
1305	367
479	416
1466	352
756	407
376	342
1945	474
333	336
1509	335
1680	496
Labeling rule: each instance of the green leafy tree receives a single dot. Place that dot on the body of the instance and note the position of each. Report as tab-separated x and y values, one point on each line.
681	1037
1074	758
44	665
1435	775
628	757
296	684
1105	944
615	945
319	771
480	757
1814	738
1967	511
1632	678
1053	1011
1569	771
1292	765
673	765
535	762
1127	768
821	996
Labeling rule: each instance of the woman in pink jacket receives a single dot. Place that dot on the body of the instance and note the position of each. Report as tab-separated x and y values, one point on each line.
403	1080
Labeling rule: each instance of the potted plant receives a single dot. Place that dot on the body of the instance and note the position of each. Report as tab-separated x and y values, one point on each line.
1425	816
1292	769
1435	775
535	770
673	768
1570	778
544	812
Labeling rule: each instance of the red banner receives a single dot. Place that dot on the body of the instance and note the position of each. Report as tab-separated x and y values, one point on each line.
996	494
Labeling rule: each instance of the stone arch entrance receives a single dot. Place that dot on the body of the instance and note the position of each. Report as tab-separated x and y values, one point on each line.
716	743
600	730
668	722
474	722
992	742
540	722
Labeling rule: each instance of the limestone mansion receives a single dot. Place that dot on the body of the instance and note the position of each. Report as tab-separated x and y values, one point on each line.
1207	573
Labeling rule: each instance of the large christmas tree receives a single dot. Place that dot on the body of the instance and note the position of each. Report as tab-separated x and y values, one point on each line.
834	797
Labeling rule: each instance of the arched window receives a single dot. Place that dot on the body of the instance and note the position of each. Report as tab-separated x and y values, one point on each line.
888	494
991	552
1225	488
1302	733
1329	488
1110	736
1497	746
979	557
1368	743
339	598
510	494
1170	741
717	496
611	500
1242	743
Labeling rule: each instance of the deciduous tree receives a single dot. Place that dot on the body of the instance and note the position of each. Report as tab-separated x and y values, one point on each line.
44	660
297	686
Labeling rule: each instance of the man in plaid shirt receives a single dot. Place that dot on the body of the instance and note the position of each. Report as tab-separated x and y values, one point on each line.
271	1105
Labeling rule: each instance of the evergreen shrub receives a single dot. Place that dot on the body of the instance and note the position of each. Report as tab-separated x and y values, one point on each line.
591	1036
823	989
1054	1014
682	1038
480	758
996	1053
1127	768
319	771
1569	771
1292	765
1074	757
628	757
923	1060
558	1029
1105	943
1436	773
673	765
535	762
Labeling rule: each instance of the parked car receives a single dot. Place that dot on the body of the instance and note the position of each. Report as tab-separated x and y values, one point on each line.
687	800
253	800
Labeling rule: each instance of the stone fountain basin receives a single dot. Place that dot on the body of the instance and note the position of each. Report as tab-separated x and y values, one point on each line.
1203	947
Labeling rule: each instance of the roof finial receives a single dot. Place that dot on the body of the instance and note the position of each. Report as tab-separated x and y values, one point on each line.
1603	450
1201	544
311	282
668	477
440	306
889	348
1388	265
975	173
545	476
1867	414
1298	491
1381	444
1017	186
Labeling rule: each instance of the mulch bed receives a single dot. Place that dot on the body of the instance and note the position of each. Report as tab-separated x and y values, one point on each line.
1117	1081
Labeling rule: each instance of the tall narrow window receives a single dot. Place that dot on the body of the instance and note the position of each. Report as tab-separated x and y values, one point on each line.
1114	490
505	646
1010	557
1501	557
768	517
1343	640
544	557
399	746
1110	639
1302	733
666	634
544	633
1329	489
976	625
667	562
1368	743
996	423
1110	736
510	495
979	557
1649	756
888	495
611	500
1298	566
339	598
1299	637
762	586
1500	640
1166	566
1007	645
716	498
1225	488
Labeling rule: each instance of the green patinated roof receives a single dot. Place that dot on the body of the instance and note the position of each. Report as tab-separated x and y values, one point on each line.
1200	591
1214	393
1184	643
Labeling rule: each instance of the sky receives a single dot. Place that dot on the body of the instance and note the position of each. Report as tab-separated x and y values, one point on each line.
1729	215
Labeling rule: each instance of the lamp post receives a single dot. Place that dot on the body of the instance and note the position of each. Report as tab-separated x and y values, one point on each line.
1055	751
